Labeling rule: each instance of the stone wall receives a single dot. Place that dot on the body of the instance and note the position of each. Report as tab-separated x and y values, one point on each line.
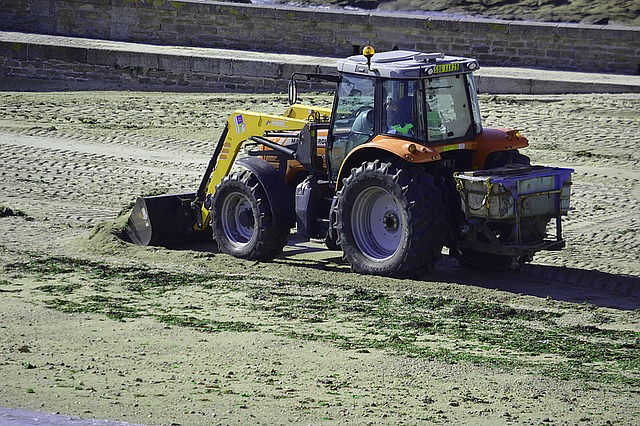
329	33
43	62
80	63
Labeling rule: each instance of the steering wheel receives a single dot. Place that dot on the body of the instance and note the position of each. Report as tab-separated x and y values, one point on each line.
364	120
360	110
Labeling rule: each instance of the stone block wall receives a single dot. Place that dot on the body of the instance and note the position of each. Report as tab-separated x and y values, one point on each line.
80	63
206	23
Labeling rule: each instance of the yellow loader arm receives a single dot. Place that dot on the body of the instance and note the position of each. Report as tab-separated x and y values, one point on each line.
177	218
240	126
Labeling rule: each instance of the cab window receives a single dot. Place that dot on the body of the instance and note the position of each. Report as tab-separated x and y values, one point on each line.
449	113
402	109
473	94
353	117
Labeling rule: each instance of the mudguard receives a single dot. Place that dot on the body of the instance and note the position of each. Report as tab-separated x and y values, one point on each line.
279	194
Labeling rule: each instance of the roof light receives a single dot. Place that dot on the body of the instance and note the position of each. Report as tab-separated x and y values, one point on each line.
368	53
429	71
472	66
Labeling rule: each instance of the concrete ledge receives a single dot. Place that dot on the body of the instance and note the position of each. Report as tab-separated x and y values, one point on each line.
96	63
31	61
334	33
536	81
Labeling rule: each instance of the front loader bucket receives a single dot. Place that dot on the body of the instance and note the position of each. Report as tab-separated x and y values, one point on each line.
165	220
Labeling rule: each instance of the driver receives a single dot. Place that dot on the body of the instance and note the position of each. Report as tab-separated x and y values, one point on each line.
399	119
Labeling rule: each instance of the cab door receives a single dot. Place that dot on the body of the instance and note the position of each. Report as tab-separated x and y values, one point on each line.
353	119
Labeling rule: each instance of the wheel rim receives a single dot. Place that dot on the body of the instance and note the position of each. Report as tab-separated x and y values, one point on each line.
237	220
377	224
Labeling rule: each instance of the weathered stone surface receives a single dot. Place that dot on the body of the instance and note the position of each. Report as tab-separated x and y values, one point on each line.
337	33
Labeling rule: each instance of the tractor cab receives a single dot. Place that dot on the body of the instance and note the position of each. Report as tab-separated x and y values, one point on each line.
426	98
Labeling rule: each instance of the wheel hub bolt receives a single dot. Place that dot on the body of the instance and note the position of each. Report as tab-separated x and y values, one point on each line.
246	218
391	221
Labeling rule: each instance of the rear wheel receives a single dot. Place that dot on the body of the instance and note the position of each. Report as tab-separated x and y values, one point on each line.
242	221
506	158
390	219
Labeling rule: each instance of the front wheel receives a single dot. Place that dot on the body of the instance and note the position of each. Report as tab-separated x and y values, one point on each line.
390	219
242	221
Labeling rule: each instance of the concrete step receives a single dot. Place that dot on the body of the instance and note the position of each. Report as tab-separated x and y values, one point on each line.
45	62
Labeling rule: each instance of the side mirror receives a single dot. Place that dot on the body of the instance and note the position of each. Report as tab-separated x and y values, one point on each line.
293	91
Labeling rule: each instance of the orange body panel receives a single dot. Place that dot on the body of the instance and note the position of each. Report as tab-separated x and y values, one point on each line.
294	167
403	148
415	152
492	140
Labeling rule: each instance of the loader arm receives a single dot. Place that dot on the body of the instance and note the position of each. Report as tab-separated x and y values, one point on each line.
175	219
242	125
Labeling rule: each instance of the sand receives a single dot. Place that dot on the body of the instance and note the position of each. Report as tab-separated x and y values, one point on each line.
98	328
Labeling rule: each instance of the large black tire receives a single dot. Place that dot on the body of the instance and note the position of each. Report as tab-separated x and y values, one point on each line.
506	158
242	221
390	219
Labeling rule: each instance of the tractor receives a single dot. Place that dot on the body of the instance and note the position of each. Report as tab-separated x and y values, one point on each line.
397	170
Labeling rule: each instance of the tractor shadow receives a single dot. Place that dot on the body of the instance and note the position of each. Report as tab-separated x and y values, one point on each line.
560	283
549	282
565	284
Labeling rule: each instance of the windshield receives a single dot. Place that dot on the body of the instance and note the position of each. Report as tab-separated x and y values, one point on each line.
403	108
448	112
